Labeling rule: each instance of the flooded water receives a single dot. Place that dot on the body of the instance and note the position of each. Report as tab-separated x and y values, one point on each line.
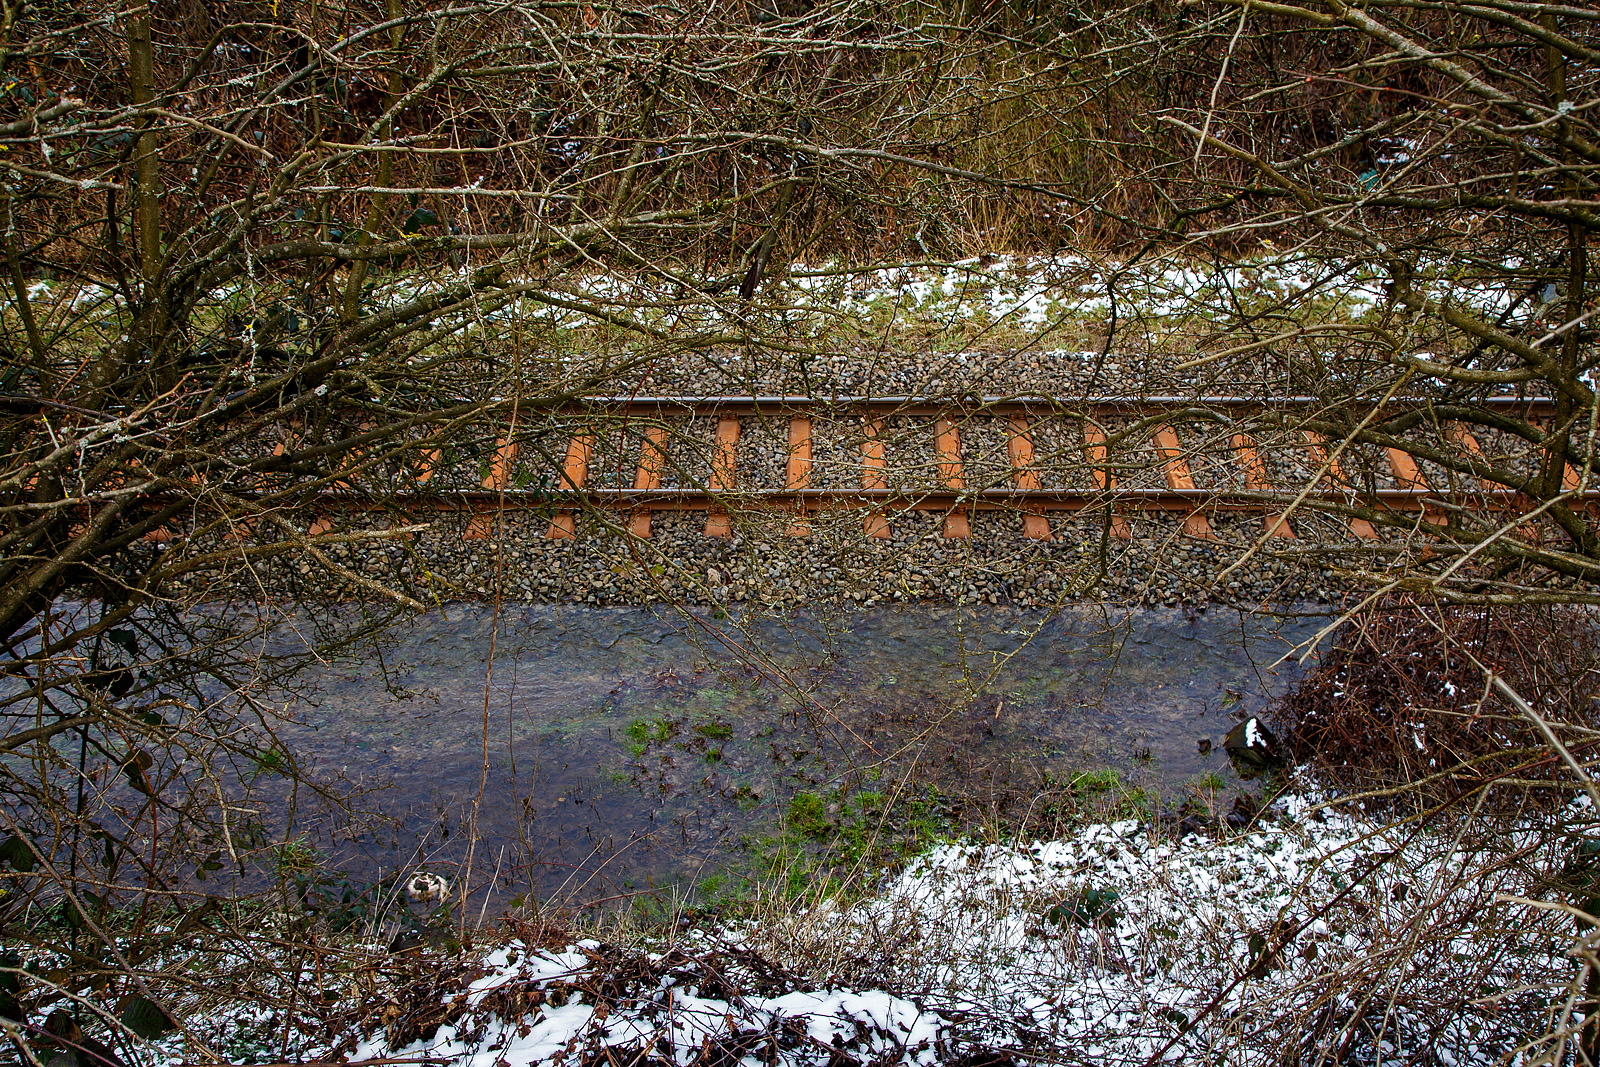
590	753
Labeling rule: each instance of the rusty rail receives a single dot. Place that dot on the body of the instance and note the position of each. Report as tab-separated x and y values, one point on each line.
948	491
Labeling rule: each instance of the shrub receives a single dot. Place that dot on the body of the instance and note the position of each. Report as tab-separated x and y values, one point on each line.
1401	698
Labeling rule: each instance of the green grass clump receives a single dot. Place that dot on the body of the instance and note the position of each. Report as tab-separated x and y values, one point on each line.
716	731
1104	780
808	815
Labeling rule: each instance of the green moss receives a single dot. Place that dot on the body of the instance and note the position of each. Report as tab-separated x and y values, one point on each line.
644	731
808	814
868	800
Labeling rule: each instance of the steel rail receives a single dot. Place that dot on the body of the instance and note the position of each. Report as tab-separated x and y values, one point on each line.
1009	403
717	490
693	499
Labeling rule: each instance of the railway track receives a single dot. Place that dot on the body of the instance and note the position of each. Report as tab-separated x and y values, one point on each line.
1034	456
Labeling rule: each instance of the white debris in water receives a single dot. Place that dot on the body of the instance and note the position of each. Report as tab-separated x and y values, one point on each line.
427	887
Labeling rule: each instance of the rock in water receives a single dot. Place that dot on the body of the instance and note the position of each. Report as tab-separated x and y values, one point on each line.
1252	748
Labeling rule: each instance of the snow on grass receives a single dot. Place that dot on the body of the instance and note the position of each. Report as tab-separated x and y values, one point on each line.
1022	295
1030	293
1315	930
1113	940
1025	294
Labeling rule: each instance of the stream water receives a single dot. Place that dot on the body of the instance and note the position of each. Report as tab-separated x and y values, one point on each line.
604	751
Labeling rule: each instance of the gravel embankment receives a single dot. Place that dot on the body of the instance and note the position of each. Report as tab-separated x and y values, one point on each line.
763	563
1033	371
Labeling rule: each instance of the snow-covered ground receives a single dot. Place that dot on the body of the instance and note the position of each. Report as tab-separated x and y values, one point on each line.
673	1012
1031	293
1316	931
1027	294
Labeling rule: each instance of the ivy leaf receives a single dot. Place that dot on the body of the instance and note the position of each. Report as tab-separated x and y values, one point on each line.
11	988
126	640
71	915
418	219
15	851
211	863
145	1018
1258	945
138	762
120	684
